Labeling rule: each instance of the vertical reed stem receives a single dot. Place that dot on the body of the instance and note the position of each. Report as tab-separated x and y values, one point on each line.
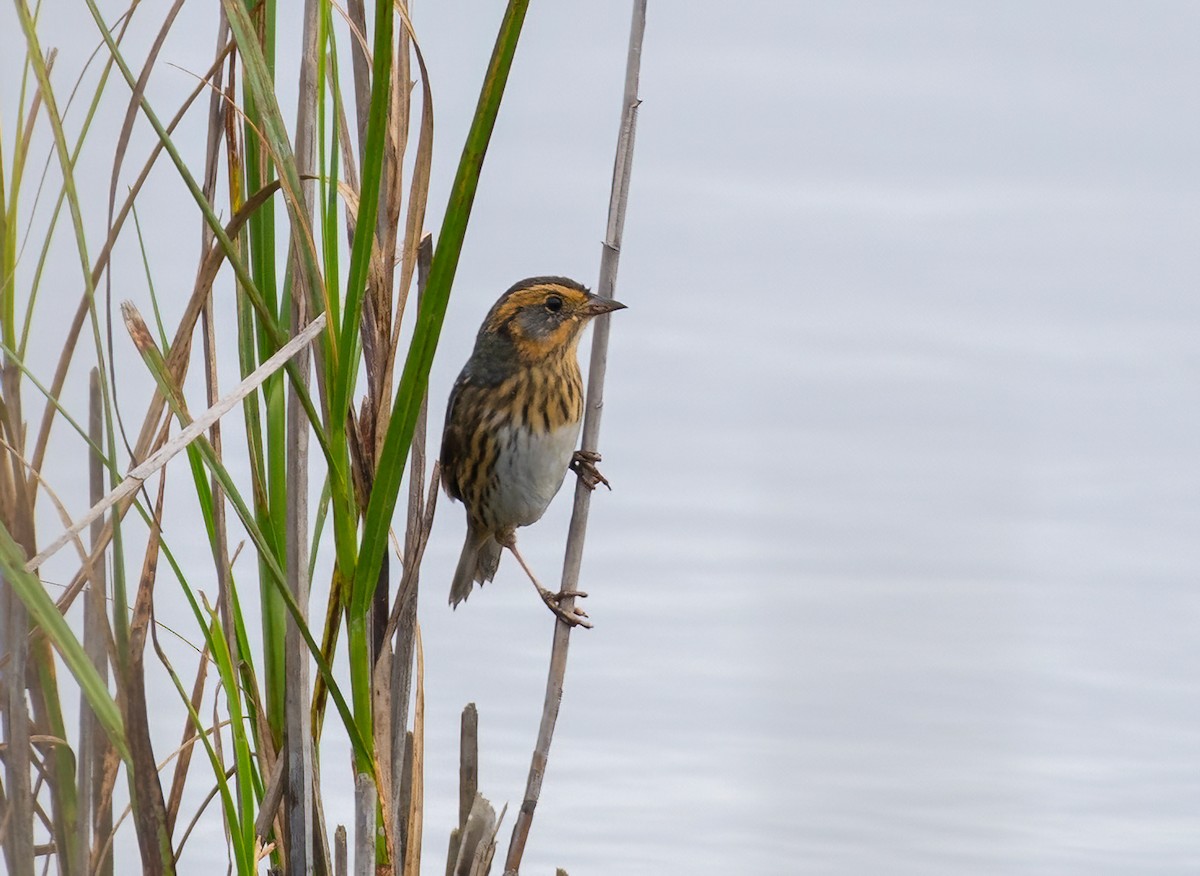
93	744
298	799
18	810
610	257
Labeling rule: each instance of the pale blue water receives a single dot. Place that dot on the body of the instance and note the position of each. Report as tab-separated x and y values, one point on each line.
899	574
900	571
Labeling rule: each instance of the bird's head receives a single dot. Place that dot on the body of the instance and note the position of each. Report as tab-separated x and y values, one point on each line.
543	316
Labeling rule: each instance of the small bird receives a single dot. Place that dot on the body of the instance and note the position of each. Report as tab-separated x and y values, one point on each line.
512	423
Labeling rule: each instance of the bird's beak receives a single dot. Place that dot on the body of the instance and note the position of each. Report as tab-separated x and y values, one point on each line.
597	305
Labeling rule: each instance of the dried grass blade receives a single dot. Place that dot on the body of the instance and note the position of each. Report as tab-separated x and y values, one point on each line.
154	837
186	744
414	239
412	848
138	474
135	100
77	319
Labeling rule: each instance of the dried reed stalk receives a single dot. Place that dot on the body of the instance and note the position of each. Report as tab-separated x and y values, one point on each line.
610	257
339	851
93	744
298	799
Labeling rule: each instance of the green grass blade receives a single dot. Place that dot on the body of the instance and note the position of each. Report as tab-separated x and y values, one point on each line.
368	201
414	381
48	619
154	361
259	78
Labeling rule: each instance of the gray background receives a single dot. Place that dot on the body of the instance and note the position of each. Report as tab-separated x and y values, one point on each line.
898	574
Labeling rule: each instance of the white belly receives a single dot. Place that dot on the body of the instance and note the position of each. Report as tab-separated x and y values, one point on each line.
530	469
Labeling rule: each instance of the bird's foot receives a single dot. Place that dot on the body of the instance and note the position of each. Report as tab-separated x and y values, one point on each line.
583	463
573	616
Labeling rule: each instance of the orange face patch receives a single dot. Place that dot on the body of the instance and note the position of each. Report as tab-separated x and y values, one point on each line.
542	320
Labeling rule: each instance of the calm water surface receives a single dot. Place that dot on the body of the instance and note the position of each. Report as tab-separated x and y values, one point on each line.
899	575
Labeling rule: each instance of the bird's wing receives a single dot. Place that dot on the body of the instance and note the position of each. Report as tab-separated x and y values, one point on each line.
454	440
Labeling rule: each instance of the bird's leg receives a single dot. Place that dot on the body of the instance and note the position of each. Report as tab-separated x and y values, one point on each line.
573	616
583	463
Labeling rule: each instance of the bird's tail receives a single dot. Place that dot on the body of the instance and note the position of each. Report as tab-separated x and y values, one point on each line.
479	560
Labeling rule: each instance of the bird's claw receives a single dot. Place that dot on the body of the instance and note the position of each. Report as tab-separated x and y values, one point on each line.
572	617
583	463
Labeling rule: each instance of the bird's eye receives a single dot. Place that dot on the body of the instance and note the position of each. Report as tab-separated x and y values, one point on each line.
554	304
